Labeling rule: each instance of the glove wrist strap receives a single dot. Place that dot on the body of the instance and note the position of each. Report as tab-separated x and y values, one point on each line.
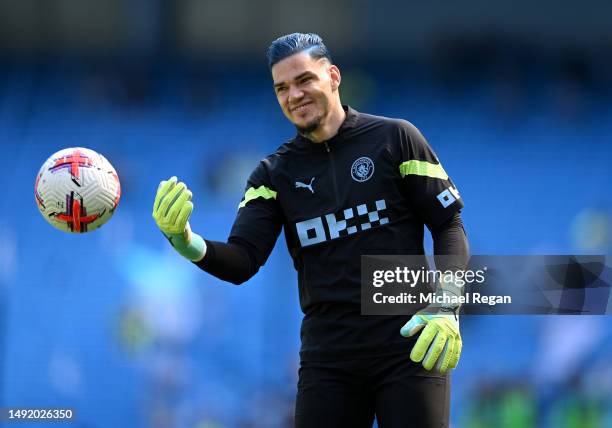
192	246
448	293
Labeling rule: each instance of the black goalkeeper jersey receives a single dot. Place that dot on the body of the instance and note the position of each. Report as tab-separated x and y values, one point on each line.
368	190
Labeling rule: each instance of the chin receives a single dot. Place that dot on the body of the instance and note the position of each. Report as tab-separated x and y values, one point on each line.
307	127
304	122
308	117
311	116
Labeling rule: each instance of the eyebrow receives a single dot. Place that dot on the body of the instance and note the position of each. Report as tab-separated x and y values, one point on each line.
298	77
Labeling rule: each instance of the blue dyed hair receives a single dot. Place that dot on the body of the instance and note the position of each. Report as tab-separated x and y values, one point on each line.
291	44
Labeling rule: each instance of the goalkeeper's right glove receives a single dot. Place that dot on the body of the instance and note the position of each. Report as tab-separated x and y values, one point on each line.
171	211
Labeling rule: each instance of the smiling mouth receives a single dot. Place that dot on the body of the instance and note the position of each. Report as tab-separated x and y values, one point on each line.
301	107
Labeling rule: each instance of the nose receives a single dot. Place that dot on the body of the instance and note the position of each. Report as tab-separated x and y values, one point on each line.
295	93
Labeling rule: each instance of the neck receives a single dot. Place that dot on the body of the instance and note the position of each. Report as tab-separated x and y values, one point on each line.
330	127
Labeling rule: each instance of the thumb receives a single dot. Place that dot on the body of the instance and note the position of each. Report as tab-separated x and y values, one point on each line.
413	326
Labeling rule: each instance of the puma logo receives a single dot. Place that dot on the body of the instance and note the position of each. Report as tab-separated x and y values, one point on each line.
299	184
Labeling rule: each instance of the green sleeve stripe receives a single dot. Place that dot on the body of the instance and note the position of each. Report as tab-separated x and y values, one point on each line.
426	169
260	192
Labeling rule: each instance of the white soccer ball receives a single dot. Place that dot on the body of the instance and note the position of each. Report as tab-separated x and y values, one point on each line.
77	190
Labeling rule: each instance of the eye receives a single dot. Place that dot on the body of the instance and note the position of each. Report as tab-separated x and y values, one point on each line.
281	89
305	79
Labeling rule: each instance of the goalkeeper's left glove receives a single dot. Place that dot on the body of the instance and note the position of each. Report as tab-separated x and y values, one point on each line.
439	344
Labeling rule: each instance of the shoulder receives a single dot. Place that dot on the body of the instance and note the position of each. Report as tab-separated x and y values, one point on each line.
404	140
391	122
406	132
280	155
272	163
394	126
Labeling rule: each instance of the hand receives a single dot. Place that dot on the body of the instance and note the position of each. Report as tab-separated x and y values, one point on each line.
171	211
172	207
439	344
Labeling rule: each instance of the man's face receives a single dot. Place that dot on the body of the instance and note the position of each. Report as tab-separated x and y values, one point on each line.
305	89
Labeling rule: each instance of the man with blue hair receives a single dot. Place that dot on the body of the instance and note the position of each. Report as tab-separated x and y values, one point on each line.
347	184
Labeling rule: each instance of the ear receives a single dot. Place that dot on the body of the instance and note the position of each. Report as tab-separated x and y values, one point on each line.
334	75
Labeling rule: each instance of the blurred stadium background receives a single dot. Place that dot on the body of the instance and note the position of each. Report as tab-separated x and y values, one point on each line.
515	97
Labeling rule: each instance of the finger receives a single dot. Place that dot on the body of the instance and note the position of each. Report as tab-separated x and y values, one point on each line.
413	326
422	344
444	360
175	209
170	199
183	217
434	351
454	360
162	190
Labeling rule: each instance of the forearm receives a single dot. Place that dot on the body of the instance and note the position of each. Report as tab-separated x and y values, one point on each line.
450	242
232	261
451	253
442	321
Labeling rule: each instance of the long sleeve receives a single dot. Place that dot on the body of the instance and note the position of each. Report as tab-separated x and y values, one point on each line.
233	261
450	241
254	232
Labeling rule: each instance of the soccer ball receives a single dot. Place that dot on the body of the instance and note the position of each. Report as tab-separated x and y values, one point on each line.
77	190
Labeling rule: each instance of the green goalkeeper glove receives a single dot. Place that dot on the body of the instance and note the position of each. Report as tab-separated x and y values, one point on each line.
439	344
171	211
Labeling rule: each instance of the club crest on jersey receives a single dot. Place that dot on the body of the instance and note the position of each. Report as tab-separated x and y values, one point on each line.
362	169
